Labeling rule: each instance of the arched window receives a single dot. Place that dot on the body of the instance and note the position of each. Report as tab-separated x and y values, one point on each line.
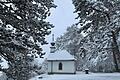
60	66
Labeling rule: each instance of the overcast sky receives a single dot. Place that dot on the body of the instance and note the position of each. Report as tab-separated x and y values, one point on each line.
61	17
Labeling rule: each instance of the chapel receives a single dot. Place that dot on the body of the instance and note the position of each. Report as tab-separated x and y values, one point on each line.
60	62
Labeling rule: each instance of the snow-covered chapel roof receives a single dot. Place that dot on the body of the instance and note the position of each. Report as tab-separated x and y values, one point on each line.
60	55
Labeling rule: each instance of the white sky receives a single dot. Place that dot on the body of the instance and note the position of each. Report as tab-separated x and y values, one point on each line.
61	17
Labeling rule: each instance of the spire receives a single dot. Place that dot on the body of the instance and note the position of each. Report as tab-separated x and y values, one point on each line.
52	43
53	37
52	48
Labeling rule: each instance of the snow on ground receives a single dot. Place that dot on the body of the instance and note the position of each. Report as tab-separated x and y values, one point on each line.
80	76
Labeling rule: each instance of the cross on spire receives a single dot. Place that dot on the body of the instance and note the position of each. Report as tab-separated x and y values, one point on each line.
53	37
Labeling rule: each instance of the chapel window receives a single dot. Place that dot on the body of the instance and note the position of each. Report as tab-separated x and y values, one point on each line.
60	66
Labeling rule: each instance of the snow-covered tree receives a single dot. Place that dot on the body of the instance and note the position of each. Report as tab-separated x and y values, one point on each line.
100	21
69	40
22	32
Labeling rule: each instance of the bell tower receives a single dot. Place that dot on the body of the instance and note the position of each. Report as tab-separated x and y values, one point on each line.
52	47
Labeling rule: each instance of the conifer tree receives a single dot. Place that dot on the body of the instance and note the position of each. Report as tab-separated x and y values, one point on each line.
100	17
22	32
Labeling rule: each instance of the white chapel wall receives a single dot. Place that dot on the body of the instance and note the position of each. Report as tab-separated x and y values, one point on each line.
49	66
68	67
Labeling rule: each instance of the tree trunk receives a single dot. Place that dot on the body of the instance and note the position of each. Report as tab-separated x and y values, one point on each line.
115	60
116	52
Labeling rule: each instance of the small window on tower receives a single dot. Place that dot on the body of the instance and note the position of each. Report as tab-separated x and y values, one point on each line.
60	66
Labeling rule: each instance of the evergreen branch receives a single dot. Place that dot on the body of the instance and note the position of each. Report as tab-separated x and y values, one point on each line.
2	2
107	14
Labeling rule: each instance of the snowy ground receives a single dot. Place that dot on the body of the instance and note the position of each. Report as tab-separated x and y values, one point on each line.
80	76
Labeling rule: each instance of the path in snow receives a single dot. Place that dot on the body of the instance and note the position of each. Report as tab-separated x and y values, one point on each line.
91	76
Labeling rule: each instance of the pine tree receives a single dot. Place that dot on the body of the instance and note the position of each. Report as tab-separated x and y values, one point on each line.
100	17
22	32
70	40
